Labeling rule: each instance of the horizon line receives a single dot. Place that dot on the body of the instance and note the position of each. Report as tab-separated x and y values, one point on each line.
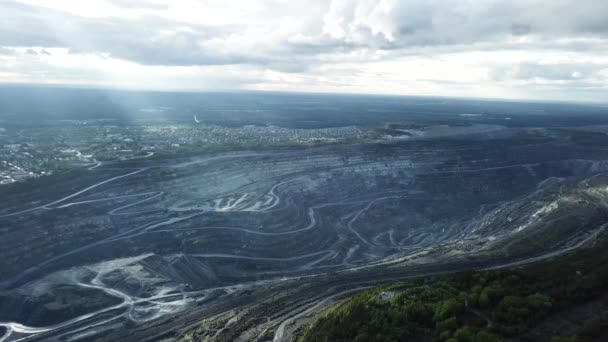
297	92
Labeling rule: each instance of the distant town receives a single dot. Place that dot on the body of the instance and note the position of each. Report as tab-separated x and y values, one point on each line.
37	150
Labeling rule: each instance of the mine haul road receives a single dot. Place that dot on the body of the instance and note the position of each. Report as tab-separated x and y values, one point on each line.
280	300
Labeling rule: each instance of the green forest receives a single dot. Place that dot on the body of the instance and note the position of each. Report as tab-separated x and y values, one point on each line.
565	299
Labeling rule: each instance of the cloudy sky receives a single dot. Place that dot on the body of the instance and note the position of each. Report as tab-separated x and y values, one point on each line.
541	49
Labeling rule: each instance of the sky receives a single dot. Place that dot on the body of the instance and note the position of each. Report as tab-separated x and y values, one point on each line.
530	49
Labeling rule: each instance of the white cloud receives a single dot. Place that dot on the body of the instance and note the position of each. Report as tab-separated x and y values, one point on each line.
532	48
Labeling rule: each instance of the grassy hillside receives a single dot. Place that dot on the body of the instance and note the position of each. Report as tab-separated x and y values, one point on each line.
565	299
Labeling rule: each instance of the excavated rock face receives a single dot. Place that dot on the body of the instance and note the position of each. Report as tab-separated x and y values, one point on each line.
558	214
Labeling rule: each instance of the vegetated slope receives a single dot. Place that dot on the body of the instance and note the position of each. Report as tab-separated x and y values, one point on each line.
565	299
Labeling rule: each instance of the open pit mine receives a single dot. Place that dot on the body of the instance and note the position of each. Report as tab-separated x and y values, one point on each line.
248	245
